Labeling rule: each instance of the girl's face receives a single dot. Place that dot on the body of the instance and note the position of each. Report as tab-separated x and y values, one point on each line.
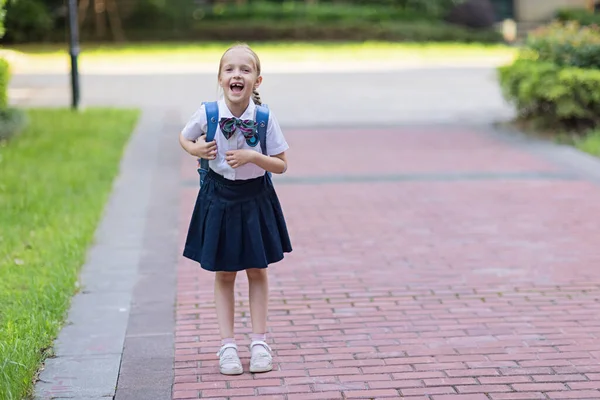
238	75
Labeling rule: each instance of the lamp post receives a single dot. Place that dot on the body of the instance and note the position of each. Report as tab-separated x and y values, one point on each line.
74	52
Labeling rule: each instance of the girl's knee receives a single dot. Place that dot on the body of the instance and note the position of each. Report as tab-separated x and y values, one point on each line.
256	273
226	277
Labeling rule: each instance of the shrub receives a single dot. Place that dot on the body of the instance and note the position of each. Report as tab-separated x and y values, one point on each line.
4	80
296	11
349	31
566	44
28	21
12	121
553	96
579	15
590	142
2	16
147	20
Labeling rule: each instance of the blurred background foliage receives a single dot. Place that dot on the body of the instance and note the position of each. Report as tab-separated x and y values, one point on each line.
154	20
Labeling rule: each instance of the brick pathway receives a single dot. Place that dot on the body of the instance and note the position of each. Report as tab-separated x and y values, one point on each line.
447	264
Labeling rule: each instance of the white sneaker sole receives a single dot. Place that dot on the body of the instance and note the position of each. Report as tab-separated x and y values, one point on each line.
232	371
261	369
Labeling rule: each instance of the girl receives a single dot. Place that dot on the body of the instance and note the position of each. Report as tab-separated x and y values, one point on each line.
237	223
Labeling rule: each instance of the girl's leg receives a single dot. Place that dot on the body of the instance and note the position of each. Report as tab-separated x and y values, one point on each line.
258	282
229	362
225	302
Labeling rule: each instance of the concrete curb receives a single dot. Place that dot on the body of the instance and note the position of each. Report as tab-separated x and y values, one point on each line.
149	350
89	348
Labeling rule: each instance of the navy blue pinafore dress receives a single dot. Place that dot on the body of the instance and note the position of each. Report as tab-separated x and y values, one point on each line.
236	224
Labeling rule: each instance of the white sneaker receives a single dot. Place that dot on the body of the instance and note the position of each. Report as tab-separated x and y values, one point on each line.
261	360
229	362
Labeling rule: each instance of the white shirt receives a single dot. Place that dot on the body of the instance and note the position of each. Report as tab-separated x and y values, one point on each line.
276	143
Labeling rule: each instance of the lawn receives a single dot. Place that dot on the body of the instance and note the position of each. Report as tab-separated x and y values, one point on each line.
590	143
268	52
54	181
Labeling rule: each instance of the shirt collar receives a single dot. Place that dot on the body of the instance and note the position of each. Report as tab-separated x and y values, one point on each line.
247	114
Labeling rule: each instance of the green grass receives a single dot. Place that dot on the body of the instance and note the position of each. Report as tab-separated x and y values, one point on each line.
283	51
55	178
590	143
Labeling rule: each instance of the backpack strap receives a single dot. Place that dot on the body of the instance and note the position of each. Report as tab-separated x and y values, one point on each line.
212	119
262	119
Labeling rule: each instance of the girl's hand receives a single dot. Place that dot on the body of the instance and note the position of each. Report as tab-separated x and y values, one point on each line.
203	149
237	158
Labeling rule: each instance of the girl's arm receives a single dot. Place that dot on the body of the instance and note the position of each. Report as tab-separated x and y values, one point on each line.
199	148
276	164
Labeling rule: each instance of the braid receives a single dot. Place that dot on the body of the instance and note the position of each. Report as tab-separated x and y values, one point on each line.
256	97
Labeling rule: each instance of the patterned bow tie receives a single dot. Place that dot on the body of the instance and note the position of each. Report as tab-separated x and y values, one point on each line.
246	126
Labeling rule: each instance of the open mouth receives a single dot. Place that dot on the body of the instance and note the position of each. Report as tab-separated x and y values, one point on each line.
236	87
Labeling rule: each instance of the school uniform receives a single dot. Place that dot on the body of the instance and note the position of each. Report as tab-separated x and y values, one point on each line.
237	221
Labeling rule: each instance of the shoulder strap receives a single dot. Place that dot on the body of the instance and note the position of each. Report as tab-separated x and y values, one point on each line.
212	119
262	119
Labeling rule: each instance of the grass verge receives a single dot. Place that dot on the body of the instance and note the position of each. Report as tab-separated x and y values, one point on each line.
55	178
590	143
586	141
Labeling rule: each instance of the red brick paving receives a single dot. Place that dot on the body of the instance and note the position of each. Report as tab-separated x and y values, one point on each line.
474	289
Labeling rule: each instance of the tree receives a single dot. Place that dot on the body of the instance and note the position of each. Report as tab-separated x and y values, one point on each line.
103	9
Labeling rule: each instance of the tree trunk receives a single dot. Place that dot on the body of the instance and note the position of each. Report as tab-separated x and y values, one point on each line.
84	5
115	20
100	13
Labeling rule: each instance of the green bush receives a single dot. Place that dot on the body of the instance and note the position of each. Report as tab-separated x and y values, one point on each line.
567	44
304	31
4	80
28	21
147	20
148	13
295	11
590	142
552	95
580	15
2	16
12	120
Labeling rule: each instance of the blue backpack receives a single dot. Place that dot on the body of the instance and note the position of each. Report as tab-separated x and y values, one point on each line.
212	117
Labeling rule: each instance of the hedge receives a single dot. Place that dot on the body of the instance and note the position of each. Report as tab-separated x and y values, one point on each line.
149	20
580	15
305	31
568	44
554	96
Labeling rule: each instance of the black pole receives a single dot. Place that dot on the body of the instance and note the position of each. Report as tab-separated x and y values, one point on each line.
74	51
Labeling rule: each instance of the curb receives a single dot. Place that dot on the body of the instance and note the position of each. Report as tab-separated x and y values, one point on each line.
89	348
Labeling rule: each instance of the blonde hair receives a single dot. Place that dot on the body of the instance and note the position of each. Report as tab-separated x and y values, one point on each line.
255	95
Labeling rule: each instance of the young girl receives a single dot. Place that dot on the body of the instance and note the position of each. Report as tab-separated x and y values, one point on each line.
237	223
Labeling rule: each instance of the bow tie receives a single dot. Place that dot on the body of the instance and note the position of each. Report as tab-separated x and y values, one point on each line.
246	126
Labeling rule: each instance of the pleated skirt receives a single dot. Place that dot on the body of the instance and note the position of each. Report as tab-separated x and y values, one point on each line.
237	225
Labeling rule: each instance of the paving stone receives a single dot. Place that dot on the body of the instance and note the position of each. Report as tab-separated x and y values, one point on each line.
450	266
78	377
